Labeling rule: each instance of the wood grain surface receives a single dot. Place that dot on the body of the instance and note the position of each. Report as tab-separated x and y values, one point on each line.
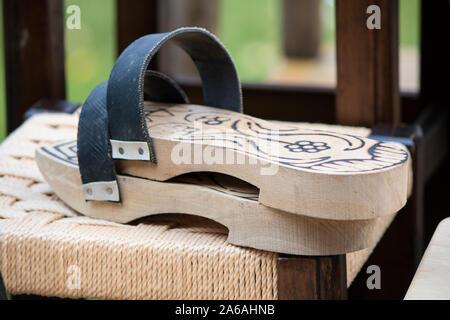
314	173
224	199
432	279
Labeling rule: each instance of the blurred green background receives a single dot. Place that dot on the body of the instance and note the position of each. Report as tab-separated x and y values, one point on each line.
249	29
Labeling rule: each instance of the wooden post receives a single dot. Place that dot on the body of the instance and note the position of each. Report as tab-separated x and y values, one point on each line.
312	278
367	64
34	55
301	28
140	17
135	19
181	13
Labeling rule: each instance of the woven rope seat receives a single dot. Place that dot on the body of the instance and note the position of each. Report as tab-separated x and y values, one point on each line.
44	244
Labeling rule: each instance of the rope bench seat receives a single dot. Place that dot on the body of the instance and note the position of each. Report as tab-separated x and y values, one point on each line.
50	250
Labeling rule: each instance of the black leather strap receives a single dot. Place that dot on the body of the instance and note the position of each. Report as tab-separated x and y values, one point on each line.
94	156
92	144
128	128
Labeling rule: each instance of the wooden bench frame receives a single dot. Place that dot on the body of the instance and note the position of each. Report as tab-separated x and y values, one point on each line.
37	69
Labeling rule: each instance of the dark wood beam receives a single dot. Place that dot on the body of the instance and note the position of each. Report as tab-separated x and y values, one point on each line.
367	65
312	278
277	102
292	103
34	55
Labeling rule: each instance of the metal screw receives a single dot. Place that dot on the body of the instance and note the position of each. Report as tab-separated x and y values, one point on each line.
89	191
109	191
121	151
141	151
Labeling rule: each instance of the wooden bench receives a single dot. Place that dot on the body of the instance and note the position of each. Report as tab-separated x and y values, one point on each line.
432	279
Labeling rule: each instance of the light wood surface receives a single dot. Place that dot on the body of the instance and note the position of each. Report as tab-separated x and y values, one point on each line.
318	173
224	199
432	279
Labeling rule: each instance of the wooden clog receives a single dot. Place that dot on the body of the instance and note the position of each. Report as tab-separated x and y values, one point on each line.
221	198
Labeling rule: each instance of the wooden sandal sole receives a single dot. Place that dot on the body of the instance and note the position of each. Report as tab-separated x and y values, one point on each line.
228	201
307	172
